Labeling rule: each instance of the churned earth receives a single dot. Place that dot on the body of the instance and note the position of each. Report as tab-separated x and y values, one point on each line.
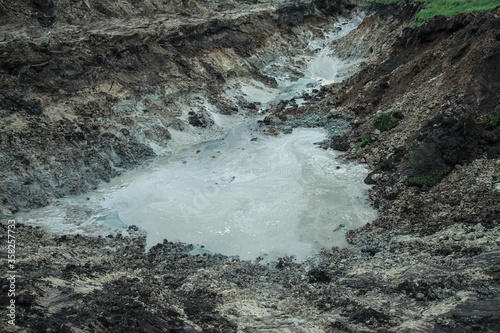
93	88
77	106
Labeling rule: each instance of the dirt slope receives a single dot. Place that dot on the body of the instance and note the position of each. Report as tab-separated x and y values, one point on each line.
439	89
92	88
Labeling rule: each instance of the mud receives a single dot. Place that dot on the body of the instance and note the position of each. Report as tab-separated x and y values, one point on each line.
78	95
428	263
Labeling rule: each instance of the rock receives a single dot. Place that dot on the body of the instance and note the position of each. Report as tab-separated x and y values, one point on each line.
198	119
455	177
373	177
479	228
6	212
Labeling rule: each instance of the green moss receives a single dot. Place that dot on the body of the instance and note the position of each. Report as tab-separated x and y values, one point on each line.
430	179
384	122
364	141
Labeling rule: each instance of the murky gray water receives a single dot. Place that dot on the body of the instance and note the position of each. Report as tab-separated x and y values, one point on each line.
248	195
245	194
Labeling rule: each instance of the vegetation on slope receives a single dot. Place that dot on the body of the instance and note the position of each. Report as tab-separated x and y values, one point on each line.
447	8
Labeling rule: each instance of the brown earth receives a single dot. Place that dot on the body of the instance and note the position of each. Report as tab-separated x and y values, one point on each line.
82	80
429	263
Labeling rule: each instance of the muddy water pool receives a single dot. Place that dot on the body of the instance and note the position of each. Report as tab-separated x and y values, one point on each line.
246	194
242	193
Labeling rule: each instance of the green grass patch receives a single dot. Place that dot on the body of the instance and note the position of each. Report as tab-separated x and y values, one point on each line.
413	156
447	8
430	179
495	118
364	141
451	8
384	122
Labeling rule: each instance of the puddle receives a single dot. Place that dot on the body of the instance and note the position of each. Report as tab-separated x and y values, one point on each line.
248	195
244	194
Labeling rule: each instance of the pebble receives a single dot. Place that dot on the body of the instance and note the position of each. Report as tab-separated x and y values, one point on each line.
479	228
455	177
6	212
133	228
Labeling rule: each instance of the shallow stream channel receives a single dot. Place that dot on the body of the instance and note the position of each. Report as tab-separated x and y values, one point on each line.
241	193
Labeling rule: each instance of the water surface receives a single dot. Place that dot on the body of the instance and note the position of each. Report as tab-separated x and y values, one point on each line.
244	193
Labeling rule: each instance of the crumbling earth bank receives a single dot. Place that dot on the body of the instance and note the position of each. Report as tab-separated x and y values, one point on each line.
92	88
429	263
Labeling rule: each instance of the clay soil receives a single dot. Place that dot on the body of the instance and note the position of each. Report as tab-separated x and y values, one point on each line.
429	263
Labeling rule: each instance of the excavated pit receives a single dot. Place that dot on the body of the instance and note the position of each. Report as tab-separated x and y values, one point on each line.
243	194
82	82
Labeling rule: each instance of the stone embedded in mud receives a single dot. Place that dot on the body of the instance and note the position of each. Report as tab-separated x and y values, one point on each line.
198	119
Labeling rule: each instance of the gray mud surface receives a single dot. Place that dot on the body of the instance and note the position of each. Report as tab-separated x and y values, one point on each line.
76	110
